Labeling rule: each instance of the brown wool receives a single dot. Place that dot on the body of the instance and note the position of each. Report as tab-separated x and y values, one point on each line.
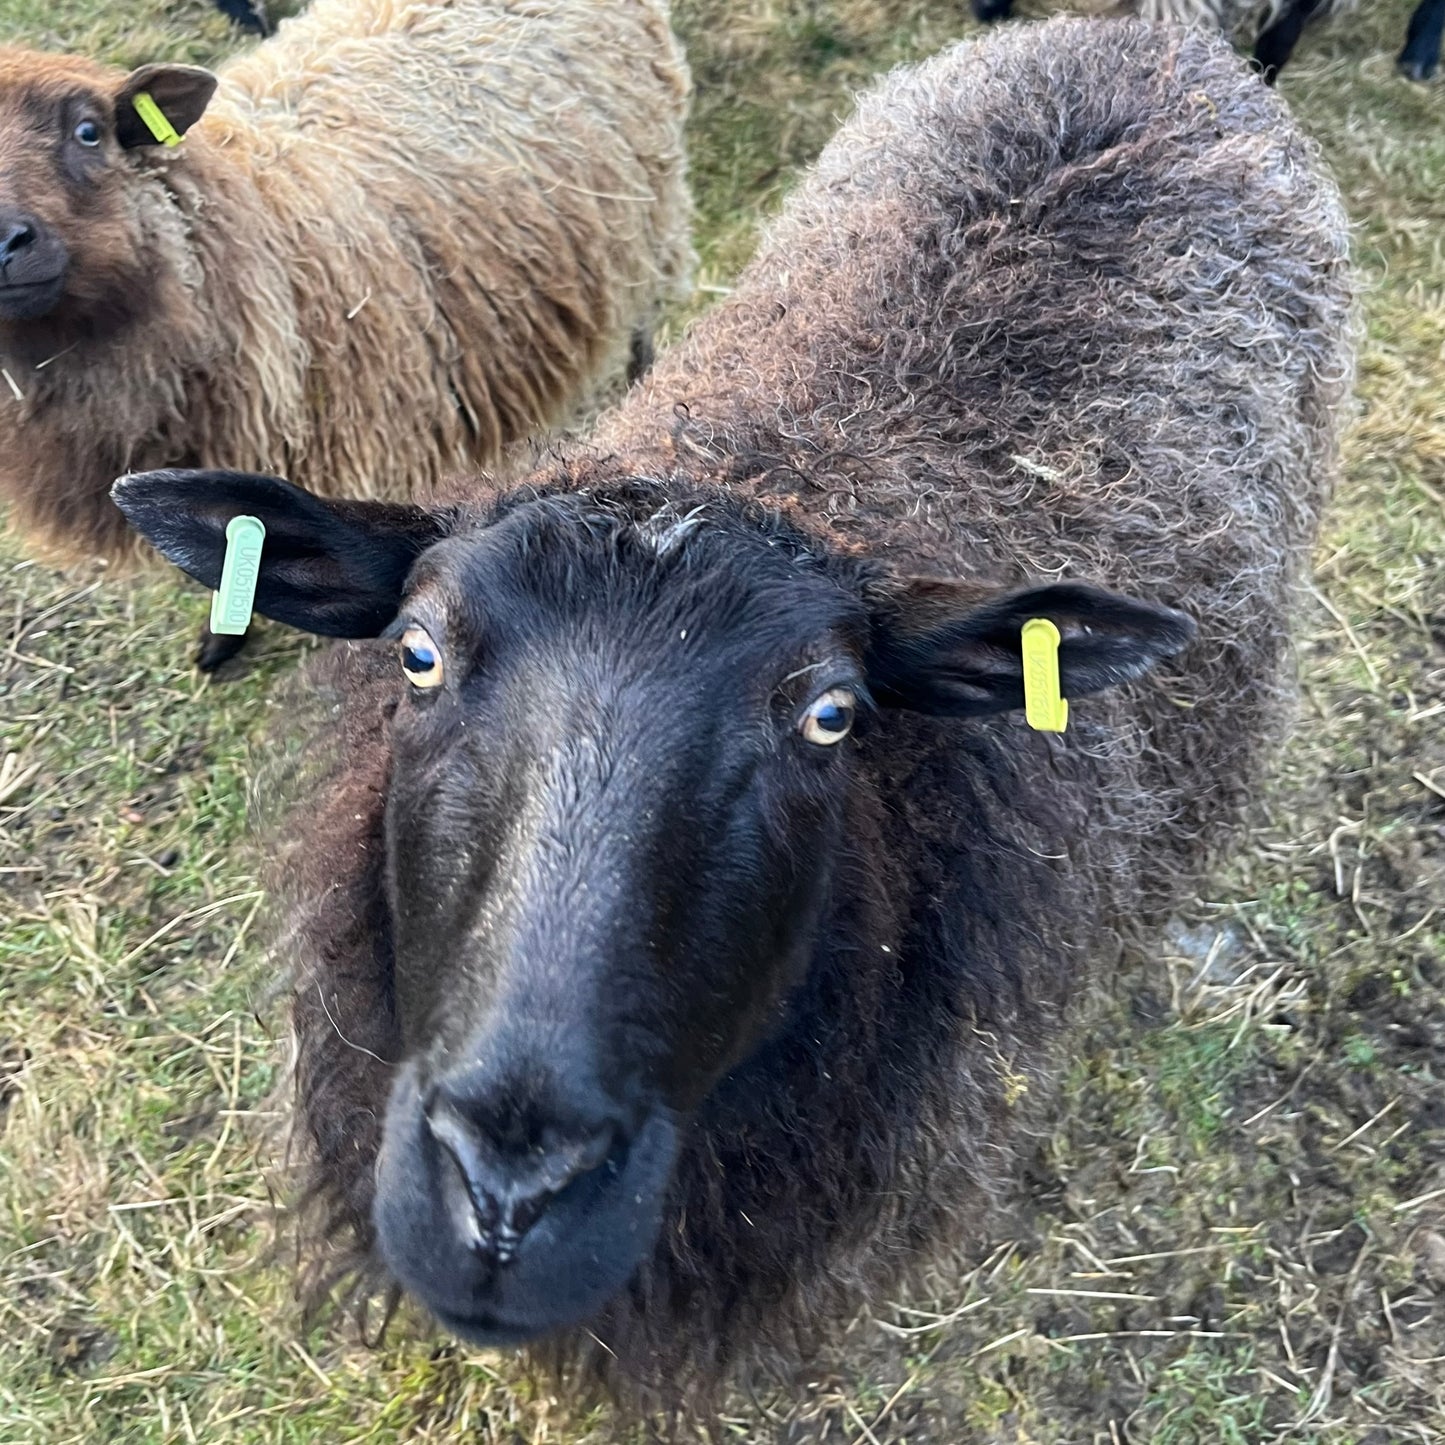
401	238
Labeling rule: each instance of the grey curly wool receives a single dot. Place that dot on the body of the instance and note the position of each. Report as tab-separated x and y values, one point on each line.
402	236
1073	301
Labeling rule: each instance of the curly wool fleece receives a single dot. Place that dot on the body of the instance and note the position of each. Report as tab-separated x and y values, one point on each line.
402	236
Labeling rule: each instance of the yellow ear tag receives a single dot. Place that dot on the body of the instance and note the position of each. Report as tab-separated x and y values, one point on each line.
1044	705
155	119
231	606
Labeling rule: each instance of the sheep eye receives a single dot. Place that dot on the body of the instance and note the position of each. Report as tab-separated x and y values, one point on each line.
88	133
421	660
829	717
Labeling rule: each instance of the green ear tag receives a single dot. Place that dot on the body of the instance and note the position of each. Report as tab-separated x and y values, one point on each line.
156	123
231	606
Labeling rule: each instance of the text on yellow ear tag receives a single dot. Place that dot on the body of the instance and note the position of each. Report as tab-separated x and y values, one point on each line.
1045	707
155	118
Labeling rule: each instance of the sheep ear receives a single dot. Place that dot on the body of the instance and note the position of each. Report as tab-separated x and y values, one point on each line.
953	649
336	568
181	91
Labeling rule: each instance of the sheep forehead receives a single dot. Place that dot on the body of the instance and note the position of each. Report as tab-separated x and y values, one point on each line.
666	530
684	563
30	74
583	522
673	524
34	92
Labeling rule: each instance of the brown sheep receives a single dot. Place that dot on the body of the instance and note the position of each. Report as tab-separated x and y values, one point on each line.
397	239
682	911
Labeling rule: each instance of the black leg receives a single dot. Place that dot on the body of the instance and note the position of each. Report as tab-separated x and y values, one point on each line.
217	647
1421	56
248	14
990	10
639	360
1275	45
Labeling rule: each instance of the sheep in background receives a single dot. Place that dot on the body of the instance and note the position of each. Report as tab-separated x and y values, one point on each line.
1277	25
683	915
400	237
1281	23
1420	58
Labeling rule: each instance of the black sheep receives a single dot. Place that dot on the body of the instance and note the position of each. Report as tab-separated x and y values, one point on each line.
682	910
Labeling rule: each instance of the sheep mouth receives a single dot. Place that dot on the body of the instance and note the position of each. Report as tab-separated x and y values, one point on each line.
31	300
487	1329
571	1261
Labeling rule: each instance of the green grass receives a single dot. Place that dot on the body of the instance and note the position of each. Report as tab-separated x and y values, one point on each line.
1231	1228
122	34
1207	1400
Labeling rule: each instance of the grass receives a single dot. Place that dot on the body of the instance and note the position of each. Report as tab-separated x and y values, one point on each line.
1234	1229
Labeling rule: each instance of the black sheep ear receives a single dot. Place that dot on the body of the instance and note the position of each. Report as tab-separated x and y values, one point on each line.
954	649
181	93
336	568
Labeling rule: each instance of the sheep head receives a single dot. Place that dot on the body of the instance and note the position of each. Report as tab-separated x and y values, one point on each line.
74	261
629	724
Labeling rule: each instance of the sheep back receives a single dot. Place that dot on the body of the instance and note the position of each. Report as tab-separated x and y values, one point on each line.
1074	303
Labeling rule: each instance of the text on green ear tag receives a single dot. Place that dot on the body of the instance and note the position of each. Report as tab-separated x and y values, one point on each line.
231	606
1044	704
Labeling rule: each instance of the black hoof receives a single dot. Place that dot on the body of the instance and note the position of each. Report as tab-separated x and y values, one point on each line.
1415	70
217	648
988	11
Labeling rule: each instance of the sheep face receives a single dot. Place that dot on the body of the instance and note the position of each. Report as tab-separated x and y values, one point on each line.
74	260
627	730
619	781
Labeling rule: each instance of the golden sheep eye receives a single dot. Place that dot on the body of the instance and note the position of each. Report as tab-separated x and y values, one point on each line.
88	133
421	659
829	718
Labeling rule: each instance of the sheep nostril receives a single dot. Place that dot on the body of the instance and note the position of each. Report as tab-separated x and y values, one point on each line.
497	1194
15	238
476	1213
564	1159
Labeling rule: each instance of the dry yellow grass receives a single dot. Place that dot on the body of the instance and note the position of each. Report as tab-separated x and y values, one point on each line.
1235	1230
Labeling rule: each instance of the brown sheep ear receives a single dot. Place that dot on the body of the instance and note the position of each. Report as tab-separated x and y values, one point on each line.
181	91
335	568
953	649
